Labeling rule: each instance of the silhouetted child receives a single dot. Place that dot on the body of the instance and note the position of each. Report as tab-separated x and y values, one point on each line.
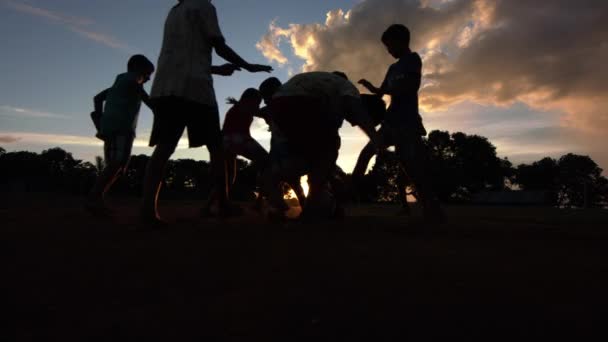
403	123
116	123
237	136
308	111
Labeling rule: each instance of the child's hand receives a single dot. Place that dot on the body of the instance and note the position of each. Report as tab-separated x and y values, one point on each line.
258	68
365	83
226	69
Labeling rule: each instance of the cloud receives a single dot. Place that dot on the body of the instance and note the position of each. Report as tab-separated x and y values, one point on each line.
32	138
548	55
8	139
78	25
31	113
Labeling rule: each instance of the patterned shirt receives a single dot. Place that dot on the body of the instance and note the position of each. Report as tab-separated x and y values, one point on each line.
318	84
184	64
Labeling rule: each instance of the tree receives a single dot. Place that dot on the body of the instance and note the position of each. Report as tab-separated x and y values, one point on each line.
2	151
542	175
381	183
580	181
571	181
58	168
462	165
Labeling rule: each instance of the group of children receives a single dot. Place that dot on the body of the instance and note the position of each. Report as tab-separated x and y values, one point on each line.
304	115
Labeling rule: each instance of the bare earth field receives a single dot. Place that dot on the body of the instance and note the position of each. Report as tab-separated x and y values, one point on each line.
492	273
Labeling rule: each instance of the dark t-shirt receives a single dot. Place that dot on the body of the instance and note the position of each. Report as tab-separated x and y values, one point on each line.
404	106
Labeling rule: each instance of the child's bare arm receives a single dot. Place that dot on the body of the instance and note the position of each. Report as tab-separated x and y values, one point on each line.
225	70
145	98
226	52
372	89
99	99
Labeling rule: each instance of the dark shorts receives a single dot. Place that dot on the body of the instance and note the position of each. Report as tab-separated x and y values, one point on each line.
408	143
172	115
305	122
245	146
117	149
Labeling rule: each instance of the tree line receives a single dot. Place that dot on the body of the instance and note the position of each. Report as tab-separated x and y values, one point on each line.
461	165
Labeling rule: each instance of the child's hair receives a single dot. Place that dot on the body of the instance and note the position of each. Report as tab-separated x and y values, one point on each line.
270	86
248	94
397	32
139	63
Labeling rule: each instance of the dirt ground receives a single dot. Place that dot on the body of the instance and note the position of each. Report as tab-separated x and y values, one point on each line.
491	273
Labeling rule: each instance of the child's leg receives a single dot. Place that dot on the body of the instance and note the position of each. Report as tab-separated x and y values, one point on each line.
322	170
117	151
105	180
363	160
296	186
402	182
155	171
219	193
414	157
369	151
253	151
231	169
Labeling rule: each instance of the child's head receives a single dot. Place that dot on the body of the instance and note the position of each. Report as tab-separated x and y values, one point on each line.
141	66
397	40
269	87
251	99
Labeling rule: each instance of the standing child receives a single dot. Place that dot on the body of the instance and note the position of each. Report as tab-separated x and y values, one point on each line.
403	124
116	124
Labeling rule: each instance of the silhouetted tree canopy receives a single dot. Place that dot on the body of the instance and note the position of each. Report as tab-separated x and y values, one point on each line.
56	170
461	165
380	183
573	180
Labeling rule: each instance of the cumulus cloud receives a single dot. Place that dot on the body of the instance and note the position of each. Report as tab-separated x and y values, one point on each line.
79	25
549	54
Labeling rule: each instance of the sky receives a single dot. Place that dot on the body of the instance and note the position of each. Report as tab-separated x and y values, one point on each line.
529	75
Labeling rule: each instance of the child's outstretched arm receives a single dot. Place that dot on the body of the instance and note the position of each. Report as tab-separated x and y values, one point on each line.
225	70
99	99
357	115
372	89
223	50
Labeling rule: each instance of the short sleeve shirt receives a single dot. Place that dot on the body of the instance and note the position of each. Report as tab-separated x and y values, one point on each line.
122	106
326	87
184	64
404	107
